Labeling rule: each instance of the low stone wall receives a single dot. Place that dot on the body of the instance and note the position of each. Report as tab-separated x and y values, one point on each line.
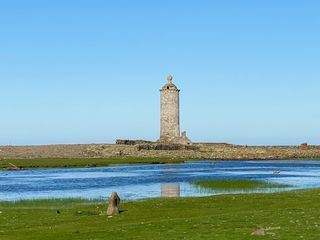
166	147
199	151
131	142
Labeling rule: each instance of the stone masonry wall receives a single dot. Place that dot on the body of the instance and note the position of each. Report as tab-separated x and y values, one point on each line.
169	114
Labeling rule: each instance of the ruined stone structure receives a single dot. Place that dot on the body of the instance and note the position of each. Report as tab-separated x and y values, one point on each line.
170	115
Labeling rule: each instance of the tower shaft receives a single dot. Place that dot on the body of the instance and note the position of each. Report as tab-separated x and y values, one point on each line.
169	114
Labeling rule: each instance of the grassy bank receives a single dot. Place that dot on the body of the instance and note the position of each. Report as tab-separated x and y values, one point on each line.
17	164
81	162
236	184
290	215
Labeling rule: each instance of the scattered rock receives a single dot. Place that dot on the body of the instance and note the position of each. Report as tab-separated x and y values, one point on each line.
113	206
304	146
265	231
259	232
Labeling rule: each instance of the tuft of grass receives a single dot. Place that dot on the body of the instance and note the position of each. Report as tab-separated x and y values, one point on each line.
236	184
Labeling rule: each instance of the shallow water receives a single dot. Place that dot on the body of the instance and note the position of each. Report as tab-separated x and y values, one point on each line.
144	181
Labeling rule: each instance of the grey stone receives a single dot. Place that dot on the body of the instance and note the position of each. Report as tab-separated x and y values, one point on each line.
259	232
113	206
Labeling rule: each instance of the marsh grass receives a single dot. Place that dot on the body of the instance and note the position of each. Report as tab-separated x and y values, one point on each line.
236	185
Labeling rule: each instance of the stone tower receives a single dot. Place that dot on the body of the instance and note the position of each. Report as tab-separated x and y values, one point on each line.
170	115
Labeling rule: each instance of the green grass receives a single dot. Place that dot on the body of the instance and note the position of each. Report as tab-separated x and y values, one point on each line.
50	203
288	215
236	184
81	162
85	162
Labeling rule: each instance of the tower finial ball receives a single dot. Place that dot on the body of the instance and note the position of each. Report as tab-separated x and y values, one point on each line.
170	78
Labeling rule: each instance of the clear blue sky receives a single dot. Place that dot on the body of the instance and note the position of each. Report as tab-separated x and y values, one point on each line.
89	71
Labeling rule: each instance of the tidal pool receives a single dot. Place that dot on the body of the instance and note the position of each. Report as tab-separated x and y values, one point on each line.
148	181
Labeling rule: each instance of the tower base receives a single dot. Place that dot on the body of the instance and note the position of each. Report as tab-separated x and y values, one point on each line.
182	140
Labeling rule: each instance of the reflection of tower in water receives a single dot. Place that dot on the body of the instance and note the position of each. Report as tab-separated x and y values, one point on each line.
170	190
170	186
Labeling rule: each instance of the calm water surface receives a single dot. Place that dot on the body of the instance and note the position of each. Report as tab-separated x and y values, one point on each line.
144	181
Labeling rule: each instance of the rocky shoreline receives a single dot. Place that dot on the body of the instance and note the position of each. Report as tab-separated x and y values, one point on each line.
197	151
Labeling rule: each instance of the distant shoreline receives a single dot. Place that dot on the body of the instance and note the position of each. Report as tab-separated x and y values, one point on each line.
94	155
